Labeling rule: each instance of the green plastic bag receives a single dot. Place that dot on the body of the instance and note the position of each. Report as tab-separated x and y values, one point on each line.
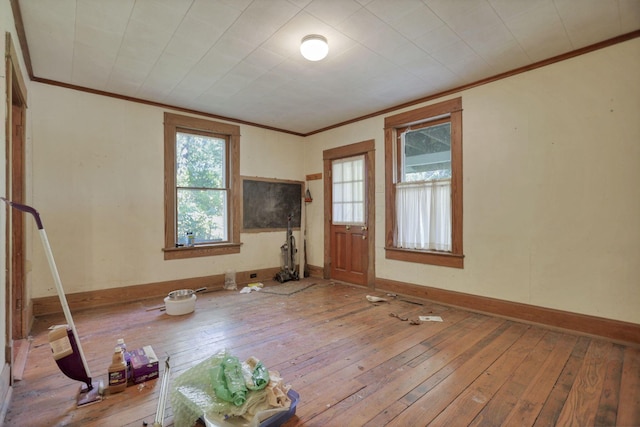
228	381
260	377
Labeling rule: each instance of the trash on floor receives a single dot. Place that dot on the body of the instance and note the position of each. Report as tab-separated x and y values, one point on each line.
404	319
372	298
223	391
251	287
430	318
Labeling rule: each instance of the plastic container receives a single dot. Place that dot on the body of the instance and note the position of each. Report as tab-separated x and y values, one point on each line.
181	306
282	417
230	280
117	372
275	420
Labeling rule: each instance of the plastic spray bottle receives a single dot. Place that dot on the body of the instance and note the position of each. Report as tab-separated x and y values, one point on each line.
127	357
117	372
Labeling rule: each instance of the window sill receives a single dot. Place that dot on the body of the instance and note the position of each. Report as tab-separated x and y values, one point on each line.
443	259
201	251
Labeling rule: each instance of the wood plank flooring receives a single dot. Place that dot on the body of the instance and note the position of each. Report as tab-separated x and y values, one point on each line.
351	362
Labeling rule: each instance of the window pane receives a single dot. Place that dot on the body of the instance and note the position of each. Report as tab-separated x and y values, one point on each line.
358	213
348	190
358	170
427	153
358	191
203	213
347	209
337	213
337	172
200	161
337	192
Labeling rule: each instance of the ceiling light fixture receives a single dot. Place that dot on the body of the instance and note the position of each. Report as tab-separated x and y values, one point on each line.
314	47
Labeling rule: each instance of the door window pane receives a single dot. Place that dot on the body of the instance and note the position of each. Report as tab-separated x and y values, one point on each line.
348	190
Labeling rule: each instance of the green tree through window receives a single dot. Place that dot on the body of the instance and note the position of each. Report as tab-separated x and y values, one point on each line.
201	185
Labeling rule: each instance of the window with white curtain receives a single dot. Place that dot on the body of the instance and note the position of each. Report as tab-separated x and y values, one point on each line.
348	190
423	195
423	185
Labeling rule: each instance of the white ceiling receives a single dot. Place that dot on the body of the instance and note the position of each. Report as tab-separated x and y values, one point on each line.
240	59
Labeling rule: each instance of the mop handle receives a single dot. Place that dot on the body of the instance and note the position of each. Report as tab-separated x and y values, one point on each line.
162	401
25	208
56	276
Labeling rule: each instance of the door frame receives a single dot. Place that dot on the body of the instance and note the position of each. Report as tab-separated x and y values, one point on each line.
366	148
16	307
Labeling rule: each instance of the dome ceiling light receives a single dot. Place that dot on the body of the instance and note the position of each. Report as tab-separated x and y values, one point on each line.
314	47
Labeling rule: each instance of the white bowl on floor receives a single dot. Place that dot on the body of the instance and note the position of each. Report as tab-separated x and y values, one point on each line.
181	306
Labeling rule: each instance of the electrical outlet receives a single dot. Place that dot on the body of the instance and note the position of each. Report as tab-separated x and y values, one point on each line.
253	275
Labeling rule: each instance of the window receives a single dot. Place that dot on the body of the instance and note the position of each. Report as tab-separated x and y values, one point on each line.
348	190
201	187
424	185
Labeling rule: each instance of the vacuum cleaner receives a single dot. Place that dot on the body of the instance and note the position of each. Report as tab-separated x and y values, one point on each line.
288	250
64	341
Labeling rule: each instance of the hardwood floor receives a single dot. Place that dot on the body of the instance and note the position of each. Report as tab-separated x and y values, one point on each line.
351	362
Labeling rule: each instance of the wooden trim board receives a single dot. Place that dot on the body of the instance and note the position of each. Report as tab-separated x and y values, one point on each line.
613	329
20	352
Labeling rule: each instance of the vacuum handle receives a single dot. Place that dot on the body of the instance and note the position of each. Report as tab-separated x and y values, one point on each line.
27	209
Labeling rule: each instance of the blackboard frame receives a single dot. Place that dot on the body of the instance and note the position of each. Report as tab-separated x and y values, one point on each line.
267	202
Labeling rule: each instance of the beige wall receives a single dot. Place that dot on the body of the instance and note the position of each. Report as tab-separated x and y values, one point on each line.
551	188
98	179
551	194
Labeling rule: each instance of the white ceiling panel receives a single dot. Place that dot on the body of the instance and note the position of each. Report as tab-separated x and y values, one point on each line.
420	21
332	12
240	58
580	30
540	32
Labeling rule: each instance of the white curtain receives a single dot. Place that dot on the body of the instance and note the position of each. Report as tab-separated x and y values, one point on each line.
423	212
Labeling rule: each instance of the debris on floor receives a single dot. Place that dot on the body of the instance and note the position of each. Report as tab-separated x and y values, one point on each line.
224	391
404	319
430	318
372	298
251	287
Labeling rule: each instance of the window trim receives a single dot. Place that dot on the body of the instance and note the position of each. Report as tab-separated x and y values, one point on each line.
173	123
392	125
